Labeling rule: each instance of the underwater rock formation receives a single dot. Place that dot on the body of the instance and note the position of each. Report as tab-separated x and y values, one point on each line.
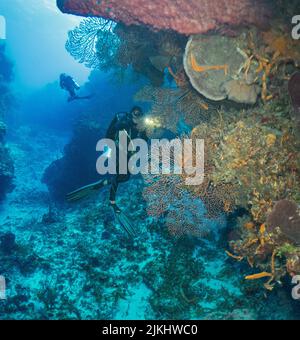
215	65
2	131
6	171
7	243
185	17
78	165
6	162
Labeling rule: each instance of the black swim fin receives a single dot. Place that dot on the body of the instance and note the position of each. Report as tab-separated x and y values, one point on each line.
85	191
125	223
80	98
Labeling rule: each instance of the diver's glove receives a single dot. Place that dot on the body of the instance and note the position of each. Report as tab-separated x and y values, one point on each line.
123	220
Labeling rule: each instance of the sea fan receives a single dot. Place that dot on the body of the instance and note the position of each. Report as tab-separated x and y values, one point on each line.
93	43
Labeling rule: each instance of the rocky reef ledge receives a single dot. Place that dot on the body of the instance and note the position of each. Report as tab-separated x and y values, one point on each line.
185	17
6	169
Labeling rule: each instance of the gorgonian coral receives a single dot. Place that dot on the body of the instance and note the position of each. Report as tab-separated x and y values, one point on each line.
187	209
168	198
170	106
94	43
102	44
148	52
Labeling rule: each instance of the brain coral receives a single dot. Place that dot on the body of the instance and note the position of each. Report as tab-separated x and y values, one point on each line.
185	16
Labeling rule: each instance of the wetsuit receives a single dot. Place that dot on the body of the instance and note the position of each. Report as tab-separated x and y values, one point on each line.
121	122
68	83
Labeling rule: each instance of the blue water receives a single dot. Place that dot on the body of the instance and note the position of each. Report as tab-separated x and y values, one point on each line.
63	261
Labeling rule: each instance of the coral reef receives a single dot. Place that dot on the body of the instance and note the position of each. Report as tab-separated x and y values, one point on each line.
268	237
285	218
147	52
167	198
251	159
171	108
185	17
104	45
201	252
93	43
240	172
214	66
82	266
271	248
240	67
279	41
245	160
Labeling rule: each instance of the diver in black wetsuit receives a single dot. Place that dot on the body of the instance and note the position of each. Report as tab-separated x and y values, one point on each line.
128	122
69	84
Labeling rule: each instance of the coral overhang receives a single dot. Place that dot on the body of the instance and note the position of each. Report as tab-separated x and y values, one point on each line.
185	17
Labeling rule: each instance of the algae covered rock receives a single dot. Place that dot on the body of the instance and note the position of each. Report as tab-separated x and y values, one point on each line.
2	131
6	165
77	167
215	66
6	171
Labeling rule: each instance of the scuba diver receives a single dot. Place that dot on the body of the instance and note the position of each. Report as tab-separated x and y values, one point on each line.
131	124
69	84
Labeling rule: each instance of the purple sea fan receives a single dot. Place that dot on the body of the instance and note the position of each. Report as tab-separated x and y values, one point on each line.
184	214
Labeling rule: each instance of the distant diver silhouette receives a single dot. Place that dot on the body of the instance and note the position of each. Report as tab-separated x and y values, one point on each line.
130	122
69	84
